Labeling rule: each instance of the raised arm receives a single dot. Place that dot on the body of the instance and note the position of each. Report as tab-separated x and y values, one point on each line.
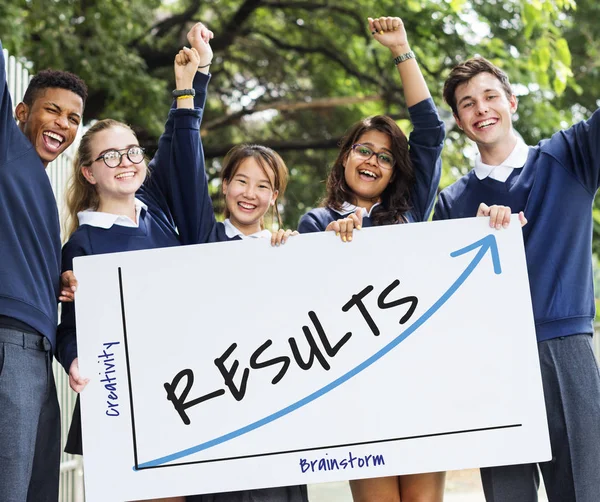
427	138
390	32
10	136
179	162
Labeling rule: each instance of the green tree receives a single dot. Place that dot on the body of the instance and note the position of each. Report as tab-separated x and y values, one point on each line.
294	74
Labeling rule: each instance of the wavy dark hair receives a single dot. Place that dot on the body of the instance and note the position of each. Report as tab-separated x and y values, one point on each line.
395	199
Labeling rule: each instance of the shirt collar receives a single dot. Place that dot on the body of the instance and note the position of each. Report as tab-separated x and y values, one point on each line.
106	220
232	231
515	160
348	208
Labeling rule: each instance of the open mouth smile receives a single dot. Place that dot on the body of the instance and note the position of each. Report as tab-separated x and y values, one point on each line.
246	206
367	175
485	123
53	140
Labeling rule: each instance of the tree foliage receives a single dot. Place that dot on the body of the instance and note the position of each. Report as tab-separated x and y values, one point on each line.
294	74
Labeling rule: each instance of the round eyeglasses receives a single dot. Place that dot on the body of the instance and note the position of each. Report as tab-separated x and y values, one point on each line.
363	152
113	158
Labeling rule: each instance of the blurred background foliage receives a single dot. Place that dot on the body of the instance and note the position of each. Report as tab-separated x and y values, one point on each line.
295	74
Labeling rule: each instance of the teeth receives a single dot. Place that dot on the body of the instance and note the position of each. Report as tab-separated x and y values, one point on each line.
54	136
485	123
125	175
246	206
368	173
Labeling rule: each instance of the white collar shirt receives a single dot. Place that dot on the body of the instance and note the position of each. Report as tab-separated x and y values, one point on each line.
233	231
351	208
501	172
106	220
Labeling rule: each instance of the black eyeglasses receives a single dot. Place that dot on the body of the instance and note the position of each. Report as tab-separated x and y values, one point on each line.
113	158
363	152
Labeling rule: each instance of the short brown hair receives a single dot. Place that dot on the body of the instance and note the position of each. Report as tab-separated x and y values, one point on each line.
466	71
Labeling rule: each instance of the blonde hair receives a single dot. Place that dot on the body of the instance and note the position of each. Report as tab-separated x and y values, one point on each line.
81	194
266	159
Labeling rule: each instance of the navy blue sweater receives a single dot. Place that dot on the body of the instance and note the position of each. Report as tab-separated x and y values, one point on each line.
29	228
177	165
425	143
556	190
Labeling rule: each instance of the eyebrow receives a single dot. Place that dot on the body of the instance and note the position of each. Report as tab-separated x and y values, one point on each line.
471	97
115	149
60	109
372	145
264	180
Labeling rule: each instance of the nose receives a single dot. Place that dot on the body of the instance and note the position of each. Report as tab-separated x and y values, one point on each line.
249	191
372	160
481	107
62	122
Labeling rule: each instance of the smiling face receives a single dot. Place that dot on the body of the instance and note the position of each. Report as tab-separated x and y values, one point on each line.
114	183
366	178
484	113
248	195
51	122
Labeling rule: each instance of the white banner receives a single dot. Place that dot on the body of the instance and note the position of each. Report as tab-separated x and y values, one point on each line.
236	365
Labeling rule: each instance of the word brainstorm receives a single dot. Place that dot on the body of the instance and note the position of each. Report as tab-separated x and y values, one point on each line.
316	353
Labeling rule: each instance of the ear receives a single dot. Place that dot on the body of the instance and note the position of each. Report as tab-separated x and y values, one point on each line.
224	186
22	112
88	175
513	102
458	121
274	197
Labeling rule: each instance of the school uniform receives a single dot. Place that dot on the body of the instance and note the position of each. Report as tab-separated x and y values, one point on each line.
29	288
157	217
554	183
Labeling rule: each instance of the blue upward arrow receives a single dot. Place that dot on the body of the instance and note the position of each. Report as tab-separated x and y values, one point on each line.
485	244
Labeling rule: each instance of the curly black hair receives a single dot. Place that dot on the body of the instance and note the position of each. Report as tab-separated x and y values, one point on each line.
47	79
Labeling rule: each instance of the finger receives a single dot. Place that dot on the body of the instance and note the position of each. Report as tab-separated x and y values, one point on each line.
286	234
377	26
347	235
522	219
355	222
483	210
66	297
386	24
280	236
494	216
359	218
275	238
334	226
371	26
343	224
506	218
396	23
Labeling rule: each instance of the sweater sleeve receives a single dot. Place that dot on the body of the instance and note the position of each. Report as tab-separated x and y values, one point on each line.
179	170
580	146
66	339
426	142
440	212
8	128
310	222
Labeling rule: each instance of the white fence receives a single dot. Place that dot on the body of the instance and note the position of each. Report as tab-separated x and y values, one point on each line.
71	478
